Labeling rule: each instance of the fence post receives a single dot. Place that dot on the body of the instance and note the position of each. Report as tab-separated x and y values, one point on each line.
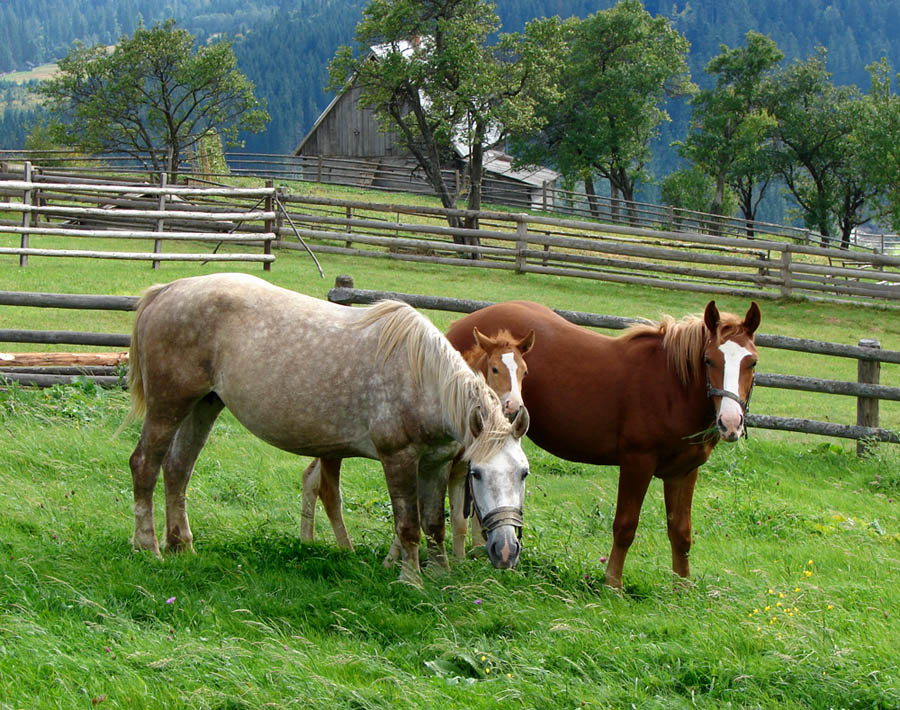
786	271
869	372
269	224
521	242
349	211
27	217
161	222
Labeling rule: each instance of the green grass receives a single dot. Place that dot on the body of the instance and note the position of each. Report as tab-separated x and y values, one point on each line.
257	619
793	602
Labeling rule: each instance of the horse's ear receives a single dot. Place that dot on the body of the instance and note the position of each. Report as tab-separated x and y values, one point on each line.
521	422
711	317
526	343
483	341
476	422
751	320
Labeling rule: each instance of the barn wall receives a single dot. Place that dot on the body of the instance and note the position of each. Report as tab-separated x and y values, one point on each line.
350	132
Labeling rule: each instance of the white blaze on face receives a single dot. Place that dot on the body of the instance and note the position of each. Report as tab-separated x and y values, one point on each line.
730	412
513	401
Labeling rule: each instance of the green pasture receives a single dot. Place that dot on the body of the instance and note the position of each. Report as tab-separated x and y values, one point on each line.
796	556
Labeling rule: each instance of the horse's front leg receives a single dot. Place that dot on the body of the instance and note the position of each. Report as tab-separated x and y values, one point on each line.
456	488
433	474
400	472
635	473
679	495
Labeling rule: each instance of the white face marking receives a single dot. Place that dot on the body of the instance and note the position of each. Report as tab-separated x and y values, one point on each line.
509	359
734	354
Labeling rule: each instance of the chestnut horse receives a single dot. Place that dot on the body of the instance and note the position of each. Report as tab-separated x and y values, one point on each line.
654	400
501	360
317	379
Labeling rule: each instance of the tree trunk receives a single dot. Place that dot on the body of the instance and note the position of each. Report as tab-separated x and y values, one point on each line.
593	203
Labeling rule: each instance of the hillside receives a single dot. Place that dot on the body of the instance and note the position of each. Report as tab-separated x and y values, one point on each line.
285	47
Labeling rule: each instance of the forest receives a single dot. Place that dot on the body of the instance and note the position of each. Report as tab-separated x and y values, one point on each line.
285	48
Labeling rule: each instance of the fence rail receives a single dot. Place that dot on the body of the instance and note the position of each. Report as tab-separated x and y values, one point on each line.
867	390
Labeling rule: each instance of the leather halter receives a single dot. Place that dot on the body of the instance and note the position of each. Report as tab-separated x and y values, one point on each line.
744	403
502	515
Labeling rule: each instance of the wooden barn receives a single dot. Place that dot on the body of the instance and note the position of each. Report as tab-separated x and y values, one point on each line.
346	146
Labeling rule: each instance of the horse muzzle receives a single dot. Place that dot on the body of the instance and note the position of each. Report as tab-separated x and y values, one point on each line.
503	536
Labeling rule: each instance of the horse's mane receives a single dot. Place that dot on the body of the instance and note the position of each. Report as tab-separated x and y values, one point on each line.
684	340
433	360
503	338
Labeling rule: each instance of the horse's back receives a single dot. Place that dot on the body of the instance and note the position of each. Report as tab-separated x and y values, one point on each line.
290	367
591	397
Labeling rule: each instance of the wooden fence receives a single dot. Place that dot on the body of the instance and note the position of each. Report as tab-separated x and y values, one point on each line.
361	173
866	390
537	244
524	243
63	206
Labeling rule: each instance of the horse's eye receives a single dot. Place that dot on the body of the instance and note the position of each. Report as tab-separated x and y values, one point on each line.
752	364
707	362
525	473
495	370
476	474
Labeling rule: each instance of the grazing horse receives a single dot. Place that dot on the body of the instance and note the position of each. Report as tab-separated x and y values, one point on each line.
501	360
316	379
654	400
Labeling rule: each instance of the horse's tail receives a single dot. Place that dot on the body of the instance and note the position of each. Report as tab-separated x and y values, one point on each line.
135	379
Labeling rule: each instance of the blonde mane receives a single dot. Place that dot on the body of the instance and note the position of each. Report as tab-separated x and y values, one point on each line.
432	360
684	340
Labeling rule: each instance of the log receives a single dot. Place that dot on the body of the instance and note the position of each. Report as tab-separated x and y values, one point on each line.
139	256
63	359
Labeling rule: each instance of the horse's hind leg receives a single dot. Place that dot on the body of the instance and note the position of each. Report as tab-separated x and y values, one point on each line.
330	494
456	489
679	495
156	435
178	466
312	477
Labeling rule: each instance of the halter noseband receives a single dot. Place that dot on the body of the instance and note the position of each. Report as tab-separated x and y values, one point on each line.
744	404
502	515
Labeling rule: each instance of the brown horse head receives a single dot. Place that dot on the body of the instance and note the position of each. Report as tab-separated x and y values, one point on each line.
730	358
500	358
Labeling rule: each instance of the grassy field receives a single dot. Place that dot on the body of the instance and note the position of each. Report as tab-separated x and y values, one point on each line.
796	558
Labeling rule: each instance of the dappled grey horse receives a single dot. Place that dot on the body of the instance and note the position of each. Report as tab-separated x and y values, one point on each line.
317	379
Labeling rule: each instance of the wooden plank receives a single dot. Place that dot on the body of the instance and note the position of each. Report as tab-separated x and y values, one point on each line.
20	185
138	256
65	337
145	234
809	426
33	380
252	215
63	359
68	300
812	384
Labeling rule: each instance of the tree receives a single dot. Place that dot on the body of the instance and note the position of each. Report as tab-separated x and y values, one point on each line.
621	66
729	124
153	96
814	149
426	69
878	125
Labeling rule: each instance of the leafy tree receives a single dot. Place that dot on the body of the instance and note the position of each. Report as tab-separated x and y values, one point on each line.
729	123
814	149
692	189
621	66
437	81
878	125
152	97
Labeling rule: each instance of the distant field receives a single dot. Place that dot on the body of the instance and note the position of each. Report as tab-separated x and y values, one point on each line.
39	73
